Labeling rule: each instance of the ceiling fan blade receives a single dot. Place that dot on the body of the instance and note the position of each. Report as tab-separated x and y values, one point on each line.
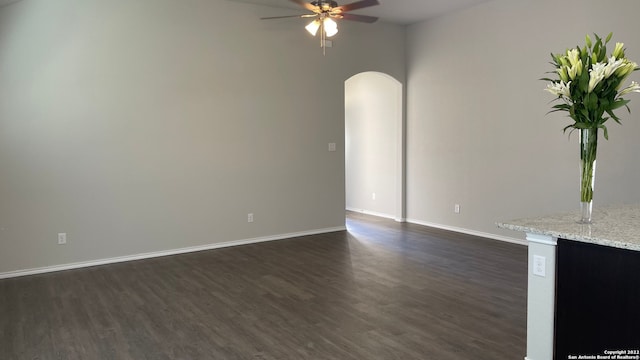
307	5
356	5
361	18
288	16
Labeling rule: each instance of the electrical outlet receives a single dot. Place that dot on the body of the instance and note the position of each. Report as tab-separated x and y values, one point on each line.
250	217
539	265
62	238
456	208
332	146
373	196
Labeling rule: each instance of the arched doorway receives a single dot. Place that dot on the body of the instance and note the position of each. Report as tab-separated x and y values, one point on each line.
374	145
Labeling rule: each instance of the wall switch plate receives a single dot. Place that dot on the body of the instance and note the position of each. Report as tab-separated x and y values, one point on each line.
539	265
62	238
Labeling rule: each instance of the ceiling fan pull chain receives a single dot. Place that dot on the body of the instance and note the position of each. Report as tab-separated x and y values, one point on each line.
322	37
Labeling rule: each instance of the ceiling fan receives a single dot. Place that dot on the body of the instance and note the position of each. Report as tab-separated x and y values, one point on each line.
323	13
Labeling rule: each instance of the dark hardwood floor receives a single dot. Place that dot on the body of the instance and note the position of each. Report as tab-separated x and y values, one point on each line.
382	290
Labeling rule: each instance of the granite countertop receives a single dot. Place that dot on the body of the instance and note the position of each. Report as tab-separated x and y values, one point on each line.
615	226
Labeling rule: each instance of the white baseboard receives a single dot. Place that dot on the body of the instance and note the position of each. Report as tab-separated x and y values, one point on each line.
155	254
373	213
470	232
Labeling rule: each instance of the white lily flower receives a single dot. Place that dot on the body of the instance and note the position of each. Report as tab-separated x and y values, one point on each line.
612	66
575	70
626	69
634	87
560	89
573	56
596	75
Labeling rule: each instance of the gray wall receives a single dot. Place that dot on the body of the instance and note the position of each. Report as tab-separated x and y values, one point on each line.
476	124
150	125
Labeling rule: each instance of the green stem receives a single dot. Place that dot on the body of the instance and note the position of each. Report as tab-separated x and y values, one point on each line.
588	150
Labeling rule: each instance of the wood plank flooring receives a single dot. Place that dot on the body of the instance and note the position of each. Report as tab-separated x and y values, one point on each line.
381	290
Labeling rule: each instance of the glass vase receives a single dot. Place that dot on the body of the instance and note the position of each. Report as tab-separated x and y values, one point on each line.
588	150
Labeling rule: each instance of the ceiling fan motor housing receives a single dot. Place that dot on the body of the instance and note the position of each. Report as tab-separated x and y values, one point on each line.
325	5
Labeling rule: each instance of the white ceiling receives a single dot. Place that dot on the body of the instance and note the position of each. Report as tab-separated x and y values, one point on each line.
394	11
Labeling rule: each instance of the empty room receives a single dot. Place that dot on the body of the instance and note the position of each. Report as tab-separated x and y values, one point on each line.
291	179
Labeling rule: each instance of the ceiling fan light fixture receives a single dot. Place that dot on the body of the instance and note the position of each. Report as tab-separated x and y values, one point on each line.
323	13
330	27
313	27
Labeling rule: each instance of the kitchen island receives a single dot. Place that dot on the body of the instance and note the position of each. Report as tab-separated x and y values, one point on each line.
583	284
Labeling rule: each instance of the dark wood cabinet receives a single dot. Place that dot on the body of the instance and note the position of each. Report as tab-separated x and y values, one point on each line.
597	300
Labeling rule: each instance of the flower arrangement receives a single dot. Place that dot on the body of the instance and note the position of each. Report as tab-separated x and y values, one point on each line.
589	88
589	83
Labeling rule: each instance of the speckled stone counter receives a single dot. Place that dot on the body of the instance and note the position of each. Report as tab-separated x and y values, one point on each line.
615	226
